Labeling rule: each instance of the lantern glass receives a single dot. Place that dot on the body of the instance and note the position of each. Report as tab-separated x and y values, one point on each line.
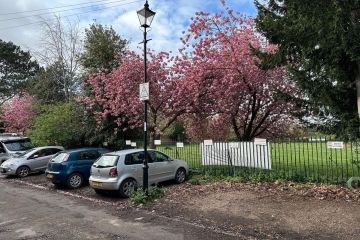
145	16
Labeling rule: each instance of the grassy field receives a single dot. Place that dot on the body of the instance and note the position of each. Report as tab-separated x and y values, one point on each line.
304	160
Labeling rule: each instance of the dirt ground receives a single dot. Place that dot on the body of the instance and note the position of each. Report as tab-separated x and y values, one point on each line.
253	211
267	211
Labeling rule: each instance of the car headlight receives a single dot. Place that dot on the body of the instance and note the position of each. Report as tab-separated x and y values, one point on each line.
11	166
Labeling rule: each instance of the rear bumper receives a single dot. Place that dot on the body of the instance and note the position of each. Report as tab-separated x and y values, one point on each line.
56	177
104	184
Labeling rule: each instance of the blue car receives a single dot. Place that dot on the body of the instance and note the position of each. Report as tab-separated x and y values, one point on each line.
72	167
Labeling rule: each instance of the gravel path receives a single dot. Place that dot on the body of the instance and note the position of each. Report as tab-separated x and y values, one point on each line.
280	210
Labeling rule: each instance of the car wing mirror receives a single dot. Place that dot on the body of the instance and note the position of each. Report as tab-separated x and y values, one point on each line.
35	156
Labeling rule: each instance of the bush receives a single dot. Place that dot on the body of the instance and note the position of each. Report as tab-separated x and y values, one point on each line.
194	181
58	125
139	197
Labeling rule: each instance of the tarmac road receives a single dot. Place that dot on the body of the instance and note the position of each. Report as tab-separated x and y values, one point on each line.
27	213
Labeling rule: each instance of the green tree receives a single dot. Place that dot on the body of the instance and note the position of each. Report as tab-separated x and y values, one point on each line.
319	43
59	125
176	131
16	69
46	87
101	46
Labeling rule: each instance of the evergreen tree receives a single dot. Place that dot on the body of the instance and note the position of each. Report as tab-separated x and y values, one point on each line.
102	45
46	87
16	69
319	43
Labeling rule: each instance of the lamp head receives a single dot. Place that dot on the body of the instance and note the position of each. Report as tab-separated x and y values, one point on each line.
145	16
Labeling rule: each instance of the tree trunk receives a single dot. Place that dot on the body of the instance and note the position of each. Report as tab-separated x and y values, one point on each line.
236	128
153	136
355	16
357	81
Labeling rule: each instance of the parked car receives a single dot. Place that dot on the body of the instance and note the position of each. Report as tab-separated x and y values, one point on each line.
34	160
122	171
12	145
72	167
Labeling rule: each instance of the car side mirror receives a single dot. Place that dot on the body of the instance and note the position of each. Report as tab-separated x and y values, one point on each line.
35	156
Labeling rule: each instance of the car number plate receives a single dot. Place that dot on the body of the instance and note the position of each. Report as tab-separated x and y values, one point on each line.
97	184
49	176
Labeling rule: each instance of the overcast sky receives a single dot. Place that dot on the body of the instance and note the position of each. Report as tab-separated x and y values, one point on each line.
22	27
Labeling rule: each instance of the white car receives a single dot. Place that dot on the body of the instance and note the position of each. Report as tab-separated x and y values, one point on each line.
34	160
12	145
123	170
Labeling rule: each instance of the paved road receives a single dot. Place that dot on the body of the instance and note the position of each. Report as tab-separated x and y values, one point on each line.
27	213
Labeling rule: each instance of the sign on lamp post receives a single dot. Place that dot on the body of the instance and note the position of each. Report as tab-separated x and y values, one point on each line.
144	92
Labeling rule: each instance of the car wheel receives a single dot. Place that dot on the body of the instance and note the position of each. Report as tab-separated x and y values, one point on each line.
75	180
180	175
127	187
23	171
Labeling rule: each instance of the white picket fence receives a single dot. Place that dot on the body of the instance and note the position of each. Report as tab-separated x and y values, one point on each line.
241	154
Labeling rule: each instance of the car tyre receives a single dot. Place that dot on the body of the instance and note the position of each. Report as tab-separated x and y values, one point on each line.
127	187
23	171
75	180
180	175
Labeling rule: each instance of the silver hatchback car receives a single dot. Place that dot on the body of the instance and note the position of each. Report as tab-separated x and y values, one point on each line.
34	160
123	170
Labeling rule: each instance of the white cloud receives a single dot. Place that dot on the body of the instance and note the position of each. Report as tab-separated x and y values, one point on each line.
172	17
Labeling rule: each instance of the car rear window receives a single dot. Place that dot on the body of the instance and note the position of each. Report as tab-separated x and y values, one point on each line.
61	157
106	161
19	145
88	155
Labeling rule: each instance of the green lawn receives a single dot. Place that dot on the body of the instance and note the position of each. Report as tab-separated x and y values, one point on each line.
310	160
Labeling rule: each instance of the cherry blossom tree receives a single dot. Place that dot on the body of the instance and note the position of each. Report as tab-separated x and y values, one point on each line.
215	81
18	113
116	93
199	128
227	85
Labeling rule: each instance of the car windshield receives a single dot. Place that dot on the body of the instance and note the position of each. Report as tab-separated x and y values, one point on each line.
19	145
61	157
106	161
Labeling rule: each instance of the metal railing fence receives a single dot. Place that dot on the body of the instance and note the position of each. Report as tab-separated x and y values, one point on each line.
304	159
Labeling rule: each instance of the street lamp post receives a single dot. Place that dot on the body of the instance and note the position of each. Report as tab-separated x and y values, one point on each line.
145	16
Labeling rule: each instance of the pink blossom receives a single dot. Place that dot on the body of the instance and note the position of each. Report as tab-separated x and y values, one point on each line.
18	113
221	74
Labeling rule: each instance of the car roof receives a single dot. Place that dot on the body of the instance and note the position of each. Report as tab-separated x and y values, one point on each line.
128	151
12	138
83	149
45	147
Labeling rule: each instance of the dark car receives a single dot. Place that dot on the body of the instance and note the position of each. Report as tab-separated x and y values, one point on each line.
72	167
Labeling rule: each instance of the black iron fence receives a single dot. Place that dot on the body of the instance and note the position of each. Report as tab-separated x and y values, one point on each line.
317	159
